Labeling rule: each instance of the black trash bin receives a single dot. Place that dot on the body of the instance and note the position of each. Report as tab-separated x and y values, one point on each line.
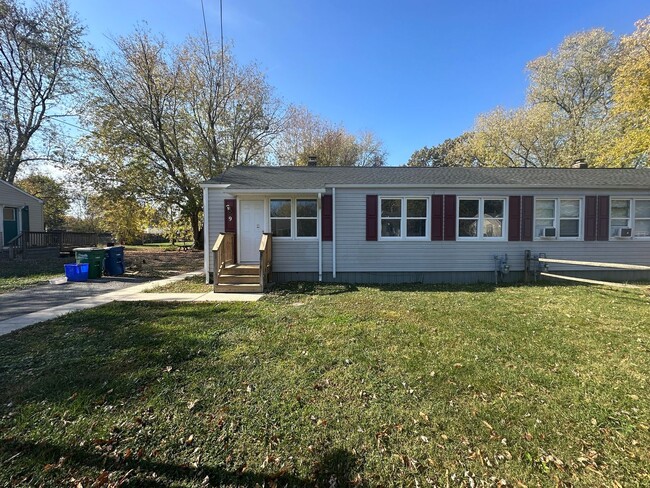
114	261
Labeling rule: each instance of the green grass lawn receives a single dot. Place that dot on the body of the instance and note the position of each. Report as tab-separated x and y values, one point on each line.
335	386
15	275
194	284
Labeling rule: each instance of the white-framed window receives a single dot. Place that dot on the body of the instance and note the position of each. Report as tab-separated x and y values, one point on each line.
306	217
294	218
629	213
281	213
558	218
403	217
641	218
481	218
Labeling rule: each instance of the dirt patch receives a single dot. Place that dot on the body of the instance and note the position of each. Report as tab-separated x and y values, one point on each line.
160	263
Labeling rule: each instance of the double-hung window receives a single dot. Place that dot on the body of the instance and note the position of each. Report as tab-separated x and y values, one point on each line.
558	218
632	213
641	218
281	217
306	217
481	218
404	217
294	217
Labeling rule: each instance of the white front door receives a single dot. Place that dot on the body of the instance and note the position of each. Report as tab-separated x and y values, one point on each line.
251	226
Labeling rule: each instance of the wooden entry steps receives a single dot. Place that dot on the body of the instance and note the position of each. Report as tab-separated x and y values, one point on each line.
239	278
230	277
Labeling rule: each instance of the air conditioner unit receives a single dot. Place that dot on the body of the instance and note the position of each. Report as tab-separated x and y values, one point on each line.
549	233
624	232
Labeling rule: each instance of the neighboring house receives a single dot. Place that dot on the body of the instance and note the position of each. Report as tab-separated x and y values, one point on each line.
19	211
391	225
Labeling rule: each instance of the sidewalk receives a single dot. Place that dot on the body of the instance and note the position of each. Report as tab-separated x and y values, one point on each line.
130	294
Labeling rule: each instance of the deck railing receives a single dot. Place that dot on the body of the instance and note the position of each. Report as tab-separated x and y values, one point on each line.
223	253
266	259
64	241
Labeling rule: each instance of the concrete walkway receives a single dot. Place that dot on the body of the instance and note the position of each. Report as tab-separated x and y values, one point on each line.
129	294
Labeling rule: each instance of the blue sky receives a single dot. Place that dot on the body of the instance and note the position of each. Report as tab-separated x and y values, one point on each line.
413	72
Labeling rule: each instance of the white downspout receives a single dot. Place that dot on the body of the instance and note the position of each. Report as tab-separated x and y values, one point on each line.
320	239
206	237
333	232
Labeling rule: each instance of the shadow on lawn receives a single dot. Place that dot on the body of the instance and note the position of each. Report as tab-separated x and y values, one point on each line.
336	468
438	287
107	354
311	288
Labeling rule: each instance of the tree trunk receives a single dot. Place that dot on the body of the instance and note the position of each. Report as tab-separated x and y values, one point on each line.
197	230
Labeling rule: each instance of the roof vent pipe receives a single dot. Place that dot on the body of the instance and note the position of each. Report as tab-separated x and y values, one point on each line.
580	164
312	161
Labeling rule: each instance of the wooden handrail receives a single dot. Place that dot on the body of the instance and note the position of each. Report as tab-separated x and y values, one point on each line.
266	259
224	254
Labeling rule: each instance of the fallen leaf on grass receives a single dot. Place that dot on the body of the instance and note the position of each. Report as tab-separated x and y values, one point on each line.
101	480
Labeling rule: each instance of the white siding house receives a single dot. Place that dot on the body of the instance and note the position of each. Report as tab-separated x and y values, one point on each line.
391	225
19	211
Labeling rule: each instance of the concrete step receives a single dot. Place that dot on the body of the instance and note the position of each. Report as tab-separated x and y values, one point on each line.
238	288
242	269
239	278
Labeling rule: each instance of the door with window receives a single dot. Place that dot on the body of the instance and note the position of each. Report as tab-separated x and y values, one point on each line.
251	227
9	223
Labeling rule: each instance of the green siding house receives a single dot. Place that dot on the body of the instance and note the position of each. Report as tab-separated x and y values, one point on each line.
19	211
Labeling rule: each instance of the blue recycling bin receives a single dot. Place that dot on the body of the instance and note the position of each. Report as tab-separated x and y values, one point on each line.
114	261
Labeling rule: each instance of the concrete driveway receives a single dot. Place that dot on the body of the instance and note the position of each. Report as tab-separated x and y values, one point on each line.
14	304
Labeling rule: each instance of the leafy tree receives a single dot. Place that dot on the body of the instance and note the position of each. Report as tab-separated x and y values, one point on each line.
39	52
528	137
56	201
448	153
567	115
125	218
167	118
575	83
631	143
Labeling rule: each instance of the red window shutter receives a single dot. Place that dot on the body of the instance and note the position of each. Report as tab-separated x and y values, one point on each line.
437	217
371	217
514	218
603	218
326	218
230	215
527	218
450	218
591	218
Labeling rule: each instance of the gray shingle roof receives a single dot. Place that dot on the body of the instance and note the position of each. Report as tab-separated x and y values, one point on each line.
302	177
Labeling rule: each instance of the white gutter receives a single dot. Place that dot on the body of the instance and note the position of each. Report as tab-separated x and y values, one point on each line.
220	186
206	237
320	240
485	186
333	232
281	191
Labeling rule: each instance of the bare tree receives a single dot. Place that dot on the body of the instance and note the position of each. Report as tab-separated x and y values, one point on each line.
306	134
167	118
39	50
